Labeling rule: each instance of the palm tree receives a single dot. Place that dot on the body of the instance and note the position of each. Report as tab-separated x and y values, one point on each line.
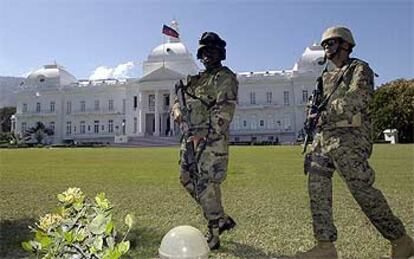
37	133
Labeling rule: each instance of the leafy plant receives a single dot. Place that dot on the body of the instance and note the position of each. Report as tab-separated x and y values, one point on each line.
79	228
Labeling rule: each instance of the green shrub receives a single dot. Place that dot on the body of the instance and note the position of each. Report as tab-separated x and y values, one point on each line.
79	228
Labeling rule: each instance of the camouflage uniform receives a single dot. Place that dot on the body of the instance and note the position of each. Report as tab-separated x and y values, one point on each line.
211	100
344	143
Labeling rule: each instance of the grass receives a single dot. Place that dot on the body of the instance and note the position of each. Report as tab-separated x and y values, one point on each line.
265	191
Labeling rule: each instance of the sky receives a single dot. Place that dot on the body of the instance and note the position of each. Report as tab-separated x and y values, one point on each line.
114	37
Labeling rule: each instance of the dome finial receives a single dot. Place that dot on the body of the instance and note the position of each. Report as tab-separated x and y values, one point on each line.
174	25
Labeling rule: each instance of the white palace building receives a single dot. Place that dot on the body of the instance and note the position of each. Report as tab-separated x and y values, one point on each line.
270	106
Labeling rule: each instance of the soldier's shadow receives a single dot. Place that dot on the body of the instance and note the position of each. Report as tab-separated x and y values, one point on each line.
246	251
144	237
12	233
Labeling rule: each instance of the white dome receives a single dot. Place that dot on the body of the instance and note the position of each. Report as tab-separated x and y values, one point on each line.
310	58
167	50
50	76
172	55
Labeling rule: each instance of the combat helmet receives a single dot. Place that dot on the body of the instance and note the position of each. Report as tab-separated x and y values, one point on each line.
338	32
211	40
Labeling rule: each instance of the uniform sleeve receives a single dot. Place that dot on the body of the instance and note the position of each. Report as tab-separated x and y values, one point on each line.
356	99
223	110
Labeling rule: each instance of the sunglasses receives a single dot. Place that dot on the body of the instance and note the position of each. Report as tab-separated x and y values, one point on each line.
329	43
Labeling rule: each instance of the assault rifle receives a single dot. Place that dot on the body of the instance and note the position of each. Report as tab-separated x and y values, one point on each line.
191	157
319	101
315	108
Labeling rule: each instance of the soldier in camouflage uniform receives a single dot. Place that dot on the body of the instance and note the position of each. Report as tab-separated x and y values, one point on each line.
211	100
343	142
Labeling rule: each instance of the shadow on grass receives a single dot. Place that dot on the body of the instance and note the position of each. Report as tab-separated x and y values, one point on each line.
245	251
144	242
12	234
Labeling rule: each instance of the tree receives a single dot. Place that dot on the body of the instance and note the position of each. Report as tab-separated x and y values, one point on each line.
37	133
5	118
393	108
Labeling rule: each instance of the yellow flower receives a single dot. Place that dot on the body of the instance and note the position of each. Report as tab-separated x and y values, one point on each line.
49	220
72	195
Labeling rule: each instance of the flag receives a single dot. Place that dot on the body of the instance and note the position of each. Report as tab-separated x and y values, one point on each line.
170	31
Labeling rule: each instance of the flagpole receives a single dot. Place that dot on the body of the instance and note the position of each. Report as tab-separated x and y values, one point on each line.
163	53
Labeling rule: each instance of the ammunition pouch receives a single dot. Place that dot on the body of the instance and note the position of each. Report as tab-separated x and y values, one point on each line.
318	164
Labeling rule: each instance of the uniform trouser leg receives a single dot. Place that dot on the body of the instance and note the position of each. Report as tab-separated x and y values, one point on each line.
320	170
205	188
352	165
213	166
210	202
209	199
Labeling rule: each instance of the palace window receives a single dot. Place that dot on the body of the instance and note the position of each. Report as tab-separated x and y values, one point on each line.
305	96
24	127
52	126
151	102
38	107
68	107
110	126
96	126
286	98
25	107
135	124
82	127
96	106
68	127
261	123
252	98
111	105
269	97
135	102
82	106
123	106
52	106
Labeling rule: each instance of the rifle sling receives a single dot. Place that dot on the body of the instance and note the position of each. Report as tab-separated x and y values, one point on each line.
208	105
337	83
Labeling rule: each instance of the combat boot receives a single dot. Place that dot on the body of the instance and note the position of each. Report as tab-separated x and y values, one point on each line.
402	248
213	235
226	224
323	250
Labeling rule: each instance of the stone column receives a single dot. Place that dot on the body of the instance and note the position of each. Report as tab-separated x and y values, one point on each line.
157	113
141	115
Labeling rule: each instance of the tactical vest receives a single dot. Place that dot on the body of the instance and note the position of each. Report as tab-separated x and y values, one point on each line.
201	96
342	111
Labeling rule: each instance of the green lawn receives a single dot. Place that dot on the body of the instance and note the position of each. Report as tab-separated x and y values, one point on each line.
265	191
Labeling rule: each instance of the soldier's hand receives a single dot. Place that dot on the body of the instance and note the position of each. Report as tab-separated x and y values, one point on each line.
178	118
195	140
